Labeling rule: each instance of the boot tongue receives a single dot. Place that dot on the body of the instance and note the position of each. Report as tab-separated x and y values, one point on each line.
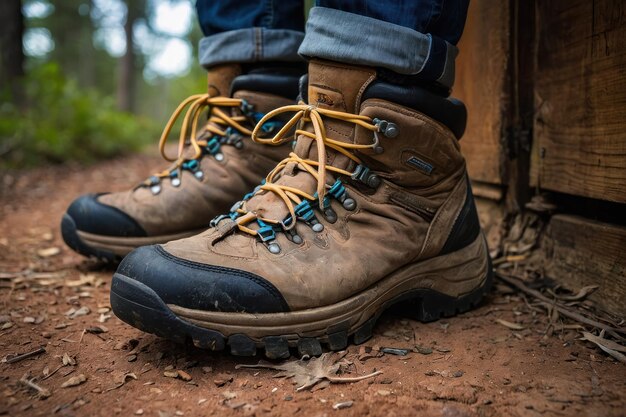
220	78
336	87
331	86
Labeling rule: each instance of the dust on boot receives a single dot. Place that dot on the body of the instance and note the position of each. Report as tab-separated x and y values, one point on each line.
372	209
216	164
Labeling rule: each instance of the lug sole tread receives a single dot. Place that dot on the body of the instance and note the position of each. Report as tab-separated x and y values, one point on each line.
154	316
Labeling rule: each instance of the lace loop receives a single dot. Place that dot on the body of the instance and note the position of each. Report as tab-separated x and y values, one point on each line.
296	200
219	124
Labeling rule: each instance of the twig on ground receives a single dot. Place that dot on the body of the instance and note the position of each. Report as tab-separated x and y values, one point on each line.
348	379
52	373
549	304
43	392
26	355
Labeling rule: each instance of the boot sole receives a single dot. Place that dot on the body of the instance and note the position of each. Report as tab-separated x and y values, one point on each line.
110	248
412	290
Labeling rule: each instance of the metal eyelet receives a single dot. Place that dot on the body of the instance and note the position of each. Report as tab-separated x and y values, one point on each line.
330	215
273	247
364	175
349	204
388	129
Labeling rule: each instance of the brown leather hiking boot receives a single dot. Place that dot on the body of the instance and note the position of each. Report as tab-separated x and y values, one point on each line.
372	209
213	168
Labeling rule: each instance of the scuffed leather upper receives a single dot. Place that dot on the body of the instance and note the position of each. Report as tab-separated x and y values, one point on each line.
193	204
409	217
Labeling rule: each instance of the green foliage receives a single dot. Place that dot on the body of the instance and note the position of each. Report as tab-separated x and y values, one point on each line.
62	122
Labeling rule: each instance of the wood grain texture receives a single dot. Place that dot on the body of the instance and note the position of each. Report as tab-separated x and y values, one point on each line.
580	99
584	252
481	83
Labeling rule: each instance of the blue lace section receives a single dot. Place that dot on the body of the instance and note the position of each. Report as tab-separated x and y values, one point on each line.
214	144
304	211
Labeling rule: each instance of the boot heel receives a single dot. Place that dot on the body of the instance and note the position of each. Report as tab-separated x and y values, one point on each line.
427	305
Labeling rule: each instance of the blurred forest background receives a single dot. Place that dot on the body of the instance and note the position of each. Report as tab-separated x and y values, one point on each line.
85	79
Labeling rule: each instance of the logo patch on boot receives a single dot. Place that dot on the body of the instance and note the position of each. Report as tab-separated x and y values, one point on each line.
423	166
324	99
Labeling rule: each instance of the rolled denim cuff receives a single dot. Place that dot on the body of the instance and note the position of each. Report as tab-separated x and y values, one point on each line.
354	39
250	45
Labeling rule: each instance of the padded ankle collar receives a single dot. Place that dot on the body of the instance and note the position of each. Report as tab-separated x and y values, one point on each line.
447	111
278	84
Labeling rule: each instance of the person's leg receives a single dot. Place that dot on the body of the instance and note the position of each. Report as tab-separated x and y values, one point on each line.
407	38
250	31
250	53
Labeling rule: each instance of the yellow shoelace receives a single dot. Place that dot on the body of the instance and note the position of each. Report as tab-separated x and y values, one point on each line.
292	196
217	117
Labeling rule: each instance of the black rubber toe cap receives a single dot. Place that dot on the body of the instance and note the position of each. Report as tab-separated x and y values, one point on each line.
91	216
202	287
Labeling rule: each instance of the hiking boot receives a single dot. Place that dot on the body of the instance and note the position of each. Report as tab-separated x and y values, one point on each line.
373	209
216	165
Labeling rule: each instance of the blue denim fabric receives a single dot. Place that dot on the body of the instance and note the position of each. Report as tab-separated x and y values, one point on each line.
350	38
442	18
247	31
217	16
409	37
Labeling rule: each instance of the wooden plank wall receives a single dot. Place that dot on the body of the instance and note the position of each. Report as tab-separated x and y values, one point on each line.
581	252
551	77
481	83
579	143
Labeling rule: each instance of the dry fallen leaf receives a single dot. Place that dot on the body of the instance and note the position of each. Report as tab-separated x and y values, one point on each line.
229	395
609	346
424	350
97	329
84	279
68	360
73	313
73	381
512	326
307	373
47	252
584	292
41	391
120	379
342	405
104	317
222	379
184	376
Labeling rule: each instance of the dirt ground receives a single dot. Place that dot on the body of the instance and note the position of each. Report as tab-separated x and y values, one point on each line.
471	365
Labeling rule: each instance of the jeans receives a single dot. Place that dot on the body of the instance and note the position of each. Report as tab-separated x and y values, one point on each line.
408	37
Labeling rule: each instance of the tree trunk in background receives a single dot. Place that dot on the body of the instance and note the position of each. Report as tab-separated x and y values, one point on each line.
126	76
11	52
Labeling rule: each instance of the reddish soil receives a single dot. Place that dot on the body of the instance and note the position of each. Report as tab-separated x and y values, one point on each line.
476	365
